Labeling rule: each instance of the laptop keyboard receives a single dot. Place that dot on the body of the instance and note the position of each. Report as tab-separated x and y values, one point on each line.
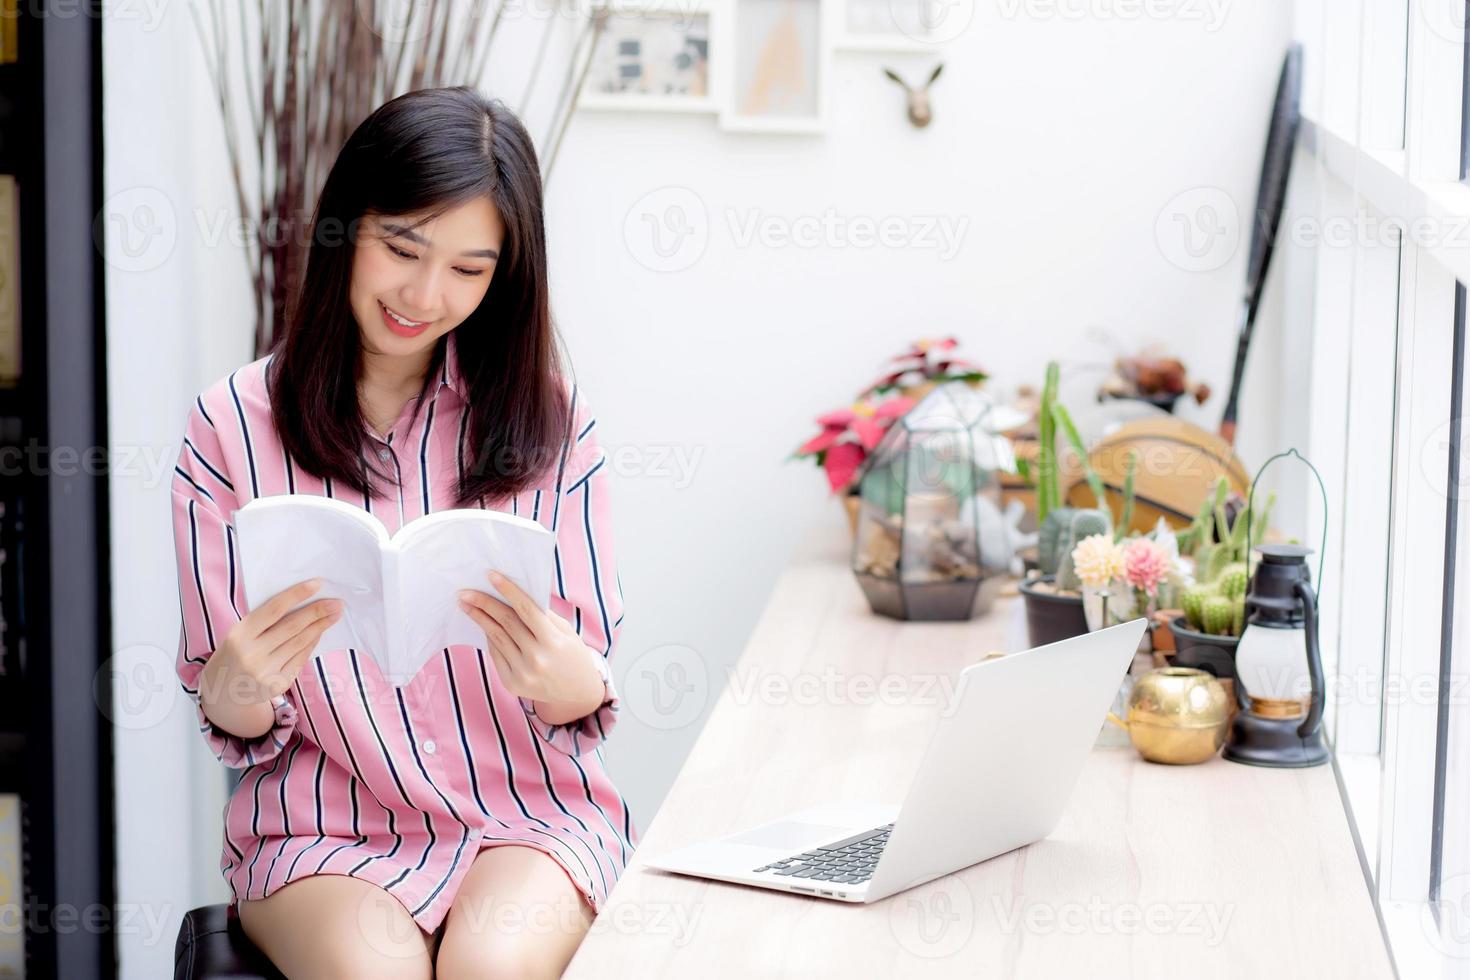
850	860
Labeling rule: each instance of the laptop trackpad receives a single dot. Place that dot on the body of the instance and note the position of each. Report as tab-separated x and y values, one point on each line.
789	833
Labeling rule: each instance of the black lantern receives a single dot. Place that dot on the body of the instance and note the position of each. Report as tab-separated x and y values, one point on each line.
1279	658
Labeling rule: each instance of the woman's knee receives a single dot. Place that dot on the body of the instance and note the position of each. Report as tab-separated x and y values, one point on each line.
517	915
329	926
500	957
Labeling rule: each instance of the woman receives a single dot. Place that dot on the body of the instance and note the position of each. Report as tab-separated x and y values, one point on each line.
462	825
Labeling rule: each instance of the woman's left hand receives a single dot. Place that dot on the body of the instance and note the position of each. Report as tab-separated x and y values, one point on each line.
537	653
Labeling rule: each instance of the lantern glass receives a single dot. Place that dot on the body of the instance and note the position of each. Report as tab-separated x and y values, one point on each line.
1271	662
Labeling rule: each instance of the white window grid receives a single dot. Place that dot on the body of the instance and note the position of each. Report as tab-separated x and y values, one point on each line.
1382	138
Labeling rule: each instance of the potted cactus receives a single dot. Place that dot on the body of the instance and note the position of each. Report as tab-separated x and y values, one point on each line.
1215	540
1206	635
1054	597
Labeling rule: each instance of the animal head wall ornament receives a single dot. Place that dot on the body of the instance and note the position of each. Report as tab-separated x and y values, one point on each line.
919	110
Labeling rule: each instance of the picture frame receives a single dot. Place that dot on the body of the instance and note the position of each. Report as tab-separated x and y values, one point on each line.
655	56
777	72
897	26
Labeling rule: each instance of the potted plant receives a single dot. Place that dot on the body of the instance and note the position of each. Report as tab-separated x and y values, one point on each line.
928	363
1206	633
1216	538
1122	578
1153	378
1054	597
848	435
1132	576
932	541
1209	629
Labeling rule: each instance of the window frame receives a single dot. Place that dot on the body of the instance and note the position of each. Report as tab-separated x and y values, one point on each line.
1395	805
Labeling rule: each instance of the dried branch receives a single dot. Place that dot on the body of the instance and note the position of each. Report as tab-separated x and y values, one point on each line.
597	22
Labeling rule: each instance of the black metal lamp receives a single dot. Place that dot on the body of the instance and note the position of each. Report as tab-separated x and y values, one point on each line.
1279	656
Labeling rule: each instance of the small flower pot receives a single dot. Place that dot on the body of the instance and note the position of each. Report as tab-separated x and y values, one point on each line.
1203	651
1162	634
1051	617
1161	400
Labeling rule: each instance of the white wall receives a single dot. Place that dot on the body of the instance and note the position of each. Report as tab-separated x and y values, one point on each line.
1057	144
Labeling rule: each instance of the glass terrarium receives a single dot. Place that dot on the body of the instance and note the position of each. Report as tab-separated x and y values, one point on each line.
931	542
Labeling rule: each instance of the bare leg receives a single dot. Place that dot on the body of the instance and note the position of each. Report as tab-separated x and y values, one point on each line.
517	914
330	926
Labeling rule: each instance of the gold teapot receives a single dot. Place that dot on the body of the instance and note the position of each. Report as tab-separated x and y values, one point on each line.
1176	715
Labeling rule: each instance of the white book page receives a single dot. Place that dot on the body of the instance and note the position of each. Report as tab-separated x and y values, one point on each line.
288	538
455	549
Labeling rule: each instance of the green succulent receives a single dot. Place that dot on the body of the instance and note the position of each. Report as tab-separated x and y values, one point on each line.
1215	541
1218	615
1197	535
1051	538
1233	580
1126	520
1192	600
1052	417
1085	523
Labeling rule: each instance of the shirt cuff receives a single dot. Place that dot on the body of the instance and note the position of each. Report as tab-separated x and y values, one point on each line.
241	753
580	735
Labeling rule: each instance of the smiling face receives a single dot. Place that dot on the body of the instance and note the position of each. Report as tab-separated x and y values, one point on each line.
411	286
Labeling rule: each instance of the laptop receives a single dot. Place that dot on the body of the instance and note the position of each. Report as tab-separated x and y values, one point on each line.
995	776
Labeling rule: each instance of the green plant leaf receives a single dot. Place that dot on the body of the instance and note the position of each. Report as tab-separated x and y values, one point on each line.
1222	524
1127	518
1046	458
1263	523
1239	531
1064	419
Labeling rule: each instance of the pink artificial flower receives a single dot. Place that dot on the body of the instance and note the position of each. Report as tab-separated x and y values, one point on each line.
1145	564
926	358
849	434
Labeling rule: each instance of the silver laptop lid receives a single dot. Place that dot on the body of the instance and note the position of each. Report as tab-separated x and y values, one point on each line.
1034	717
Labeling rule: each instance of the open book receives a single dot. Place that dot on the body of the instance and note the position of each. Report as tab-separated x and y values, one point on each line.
400	592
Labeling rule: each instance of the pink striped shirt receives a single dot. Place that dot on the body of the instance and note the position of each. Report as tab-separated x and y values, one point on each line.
401	787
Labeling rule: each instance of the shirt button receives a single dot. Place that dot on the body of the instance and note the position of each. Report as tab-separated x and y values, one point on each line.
429	746
385	454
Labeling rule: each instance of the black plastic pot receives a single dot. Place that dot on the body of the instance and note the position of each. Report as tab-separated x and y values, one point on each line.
1166	402
1203	651
1049	617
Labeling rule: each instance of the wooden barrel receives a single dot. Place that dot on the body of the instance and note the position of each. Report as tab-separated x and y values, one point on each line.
1178	466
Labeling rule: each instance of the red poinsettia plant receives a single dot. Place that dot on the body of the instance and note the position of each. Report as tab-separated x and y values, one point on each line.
928	359
849	434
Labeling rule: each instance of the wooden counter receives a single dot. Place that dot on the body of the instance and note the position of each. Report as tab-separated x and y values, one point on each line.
1217	870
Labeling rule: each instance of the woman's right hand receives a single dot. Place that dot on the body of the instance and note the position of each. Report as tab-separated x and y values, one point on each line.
261	654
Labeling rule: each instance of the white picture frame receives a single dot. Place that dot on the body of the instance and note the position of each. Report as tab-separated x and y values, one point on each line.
895	26
700	21
763	37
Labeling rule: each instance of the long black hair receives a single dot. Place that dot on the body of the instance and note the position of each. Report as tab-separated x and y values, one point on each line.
426	152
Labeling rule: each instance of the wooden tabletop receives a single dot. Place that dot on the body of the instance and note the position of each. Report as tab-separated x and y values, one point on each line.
1216	870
